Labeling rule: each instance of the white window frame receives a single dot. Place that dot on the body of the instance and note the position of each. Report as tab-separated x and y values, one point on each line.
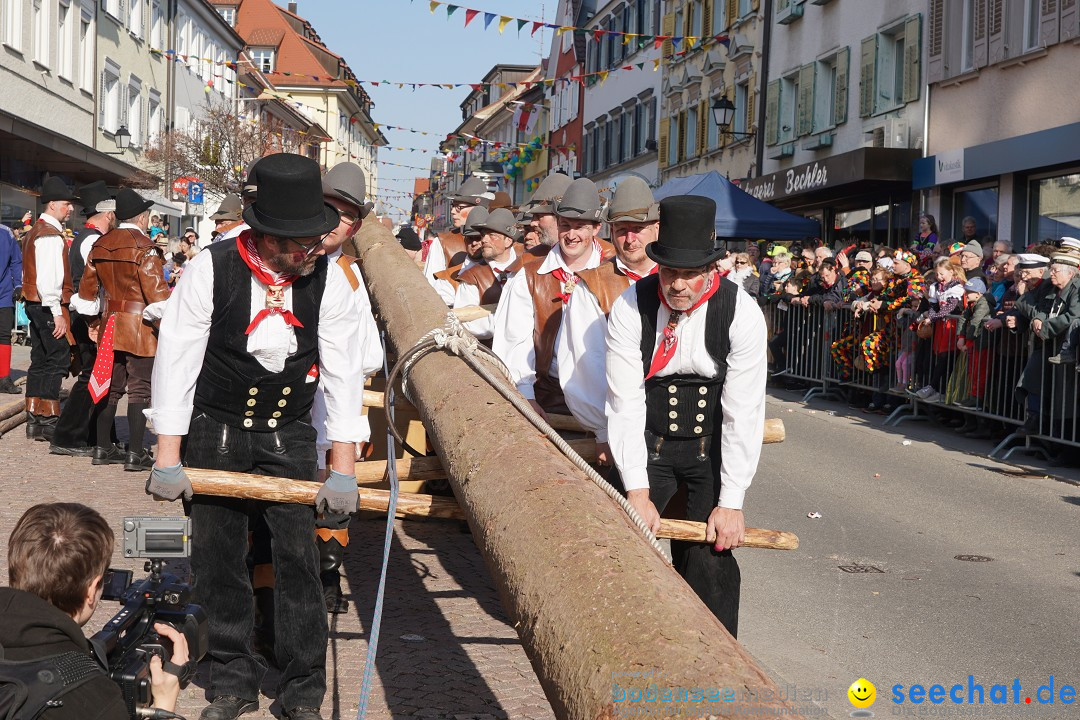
157	20
889	90
967	36
135	18
789	97
65	43
825	94
86	51
712	133
228	14
133	110
740	123
255	58
745	8
1032	25
39	30
155	115
114	8
690	148
109	98
13	24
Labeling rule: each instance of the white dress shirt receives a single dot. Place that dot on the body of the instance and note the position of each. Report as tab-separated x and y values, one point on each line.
742	399
185	332
469	296
580	349
49	266
87	245
81	305
515	318
445	288
371	358
436	260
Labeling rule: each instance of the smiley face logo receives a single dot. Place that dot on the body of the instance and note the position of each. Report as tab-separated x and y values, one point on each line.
862	693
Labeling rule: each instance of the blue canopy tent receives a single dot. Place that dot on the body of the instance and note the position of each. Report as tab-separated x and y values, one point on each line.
738	214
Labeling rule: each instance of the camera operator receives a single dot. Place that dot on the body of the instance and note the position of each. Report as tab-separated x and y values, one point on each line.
57	557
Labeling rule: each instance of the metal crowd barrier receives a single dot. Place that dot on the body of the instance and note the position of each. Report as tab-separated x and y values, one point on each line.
980	382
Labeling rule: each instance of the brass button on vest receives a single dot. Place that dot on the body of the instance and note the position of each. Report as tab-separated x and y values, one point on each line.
282	403
286	390
251	402
271	423
253	391
248	422
673	427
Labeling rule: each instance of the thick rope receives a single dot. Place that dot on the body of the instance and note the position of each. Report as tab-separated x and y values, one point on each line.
454	338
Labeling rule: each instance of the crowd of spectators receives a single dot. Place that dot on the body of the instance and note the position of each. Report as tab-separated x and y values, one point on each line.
941	321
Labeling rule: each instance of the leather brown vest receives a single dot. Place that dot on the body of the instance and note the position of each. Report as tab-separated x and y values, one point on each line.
482	277
452	244
606	283
450	275
29	278
547	312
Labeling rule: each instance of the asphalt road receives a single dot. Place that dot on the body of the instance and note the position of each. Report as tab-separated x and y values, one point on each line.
926	618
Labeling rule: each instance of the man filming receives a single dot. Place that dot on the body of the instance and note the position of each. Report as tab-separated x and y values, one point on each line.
57	557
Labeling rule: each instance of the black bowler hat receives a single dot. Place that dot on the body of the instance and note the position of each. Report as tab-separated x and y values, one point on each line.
687	236
409	239
290	201
54	189
95	198
130	204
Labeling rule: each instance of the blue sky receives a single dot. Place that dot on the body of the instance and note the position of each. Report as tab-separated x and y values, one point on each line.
402	41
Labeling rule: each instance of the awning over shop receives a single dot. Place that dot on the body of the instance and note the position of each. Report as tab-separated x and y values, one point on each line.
162	205
739	215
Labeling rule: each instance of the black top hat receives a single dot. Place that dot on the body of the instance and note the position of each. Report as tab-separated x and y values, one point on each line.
130	204
687	237
409	239
95	198
55	189
290	201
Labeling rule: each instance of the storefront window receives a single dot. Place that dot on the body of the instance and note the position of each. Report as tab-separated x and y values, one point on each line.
14	203
980	205
853	228
1055	208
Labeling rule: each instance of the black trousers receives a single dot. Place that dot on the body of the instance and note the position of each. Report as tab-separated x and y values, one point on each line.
50	357
78	420
713	575
7	324
218	562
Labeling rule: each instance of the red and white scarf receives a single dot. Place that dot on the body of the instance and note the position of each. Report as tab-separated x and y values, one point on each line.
273	280
666	350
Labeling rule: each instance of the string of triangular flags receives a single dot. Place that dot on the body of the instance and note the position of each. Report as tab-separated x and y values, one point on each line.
496	144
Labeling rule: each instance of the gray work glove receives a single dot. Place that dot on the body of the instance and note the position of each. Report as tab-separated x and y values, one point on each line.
169	483
338	495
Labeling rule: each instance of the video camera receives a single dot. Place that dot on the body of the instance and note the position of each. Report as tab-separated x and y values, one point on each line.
128	641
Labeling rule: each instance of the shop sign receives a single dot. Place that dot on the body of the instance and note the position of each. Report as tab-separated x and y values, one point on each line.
949	167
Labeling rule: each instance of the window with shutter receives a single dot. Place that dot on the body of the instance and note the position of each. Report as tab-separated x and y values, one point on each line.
980	35
1070	20
707	28
805	112
732	14
772	113
1049	23
868	76
144	125
667	30
751	96
680	150
703	121
102	99
840	98
996	15
662	143
935	48
123	106
912	58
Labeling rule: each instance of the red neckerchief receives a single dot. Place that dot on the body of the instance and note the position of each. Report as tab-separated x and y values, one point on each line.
425	245
569	282
634	277
274	282
95	228
666	351
101	377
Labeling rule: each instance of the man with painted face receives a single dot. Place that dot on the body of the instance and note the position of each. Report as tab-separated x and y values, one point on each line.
529	316
483	282
686	396
634	218
247	336
446	281
472	194
541	209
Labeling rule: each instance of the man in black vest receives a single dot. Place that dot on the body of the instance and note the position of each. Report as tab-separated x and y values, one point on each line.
75	431
248	333
686	396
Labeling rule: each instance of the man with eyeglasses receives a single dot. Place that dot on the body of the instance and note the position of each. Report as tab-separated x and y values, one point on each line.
447	281
247	337
472	194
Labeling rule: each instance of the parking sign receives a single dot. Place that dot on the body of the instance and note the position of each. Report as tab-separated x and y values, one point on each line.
195	193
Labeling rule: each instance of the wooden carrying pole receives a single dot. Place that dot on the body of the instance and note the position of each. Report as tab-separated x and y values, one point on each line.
417	505
593	603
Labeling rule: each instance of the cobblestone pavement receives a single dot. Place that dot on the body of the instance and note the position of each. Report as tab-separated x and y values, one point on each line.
446	648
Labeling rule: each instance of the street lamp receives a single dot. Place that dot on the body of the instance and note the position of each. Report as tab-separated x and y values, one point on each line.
723	113
122	138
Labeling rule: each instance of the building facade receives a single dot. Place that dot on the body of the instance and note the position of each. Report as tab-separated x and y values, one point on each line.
565	92
719	56
1004	135
844	116
48	71
621	107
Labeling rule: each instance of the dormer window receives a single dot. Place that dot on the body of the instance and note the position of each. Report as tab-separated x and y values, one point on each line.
263	59
229	13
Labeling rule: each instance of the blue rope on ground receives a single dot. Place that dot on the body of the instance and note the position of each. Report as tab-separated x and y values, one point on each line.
376	621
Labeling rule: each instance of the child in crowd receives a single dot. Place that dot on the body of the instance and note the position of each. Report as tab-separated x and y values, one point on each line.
973	340
944	296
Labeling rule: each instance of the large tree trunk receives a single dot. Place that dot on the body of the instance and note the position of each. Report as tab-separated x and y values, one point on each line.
598	610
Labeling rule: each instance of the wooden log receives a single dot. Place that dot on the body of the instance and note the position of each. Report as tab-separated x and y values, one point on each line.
416	505
566	591
473	312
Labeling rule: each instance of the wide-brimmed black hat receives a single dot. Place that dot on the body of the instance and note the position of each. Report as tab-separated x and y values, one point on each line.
54	189
409	239
290	200
687	236
95	198
130	204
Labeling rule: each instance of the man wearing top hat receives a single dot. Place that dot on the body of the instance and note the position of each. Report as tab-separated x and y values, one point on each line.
541	208
686	396
634	218
473	193
483	282
529	316
249	332
76	431
126	265
446	281
46	284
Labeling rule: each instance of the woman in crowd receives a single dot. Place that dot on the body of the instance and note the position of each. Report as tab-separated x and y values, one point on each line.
925	244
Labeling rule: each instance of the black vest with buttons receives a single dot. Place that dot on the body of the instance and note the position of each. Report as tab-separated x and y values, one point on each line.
686	406
233	388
